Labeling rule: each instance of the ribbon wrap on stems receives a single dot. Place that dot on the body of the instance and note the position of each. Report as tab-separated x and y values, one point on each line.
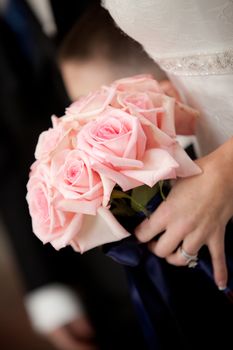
169	300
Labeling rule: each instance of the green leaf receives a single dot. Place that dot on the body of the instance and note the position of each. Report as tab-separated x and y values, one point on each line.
144	193
137	206
127	203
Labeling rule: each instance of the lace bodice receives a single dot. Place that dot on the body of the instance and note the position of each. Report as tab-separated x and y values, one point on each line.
192	40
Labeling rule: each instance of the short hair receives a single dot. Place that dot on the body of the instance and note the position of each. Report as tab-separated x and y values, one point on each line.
95	33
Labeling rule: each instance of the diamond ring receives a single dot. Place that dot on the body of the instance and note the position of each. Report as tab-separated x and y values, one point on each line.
191	260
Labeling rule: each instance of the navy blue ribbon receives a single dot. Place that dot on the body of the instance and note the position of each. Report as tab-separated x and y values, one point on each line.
153	289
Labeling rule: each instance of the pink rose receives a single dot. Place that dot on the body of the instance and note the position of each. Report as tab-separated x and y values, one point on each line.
115	137
90	106
137	103
117	147
50	224
55	139
142	96
79	184
155	111
161	141
138	83
161	116
162	94
155	107
122	135
54	224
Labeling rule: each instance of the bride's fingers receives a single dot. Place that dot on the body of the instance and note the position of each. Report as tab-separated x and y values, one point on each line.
153	226
217	252
167	243
191	245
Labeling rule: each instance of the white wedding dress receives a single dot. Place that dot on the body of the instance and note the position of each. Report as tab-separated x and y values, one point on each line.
192	40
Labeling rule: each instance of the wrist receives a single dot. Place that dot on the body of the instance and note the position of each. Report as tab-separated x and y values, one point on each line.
224	163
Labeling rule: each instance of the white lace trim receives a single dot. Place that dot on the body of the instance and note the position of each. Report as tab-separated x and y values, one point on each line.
200	64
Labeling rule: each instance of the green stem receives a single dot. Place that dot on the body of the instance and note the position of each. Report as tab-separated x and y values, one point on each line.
161	190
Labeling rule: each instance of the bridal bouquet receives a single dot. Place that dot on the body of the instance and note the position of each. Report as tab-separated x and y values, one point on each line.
107	156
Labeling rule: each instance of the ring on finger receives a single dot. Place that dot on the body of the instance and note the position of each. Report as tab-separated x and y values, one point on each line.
191	260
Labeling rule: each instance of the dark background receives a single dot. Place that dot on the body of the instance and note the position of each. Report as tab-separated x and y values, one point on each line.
31	90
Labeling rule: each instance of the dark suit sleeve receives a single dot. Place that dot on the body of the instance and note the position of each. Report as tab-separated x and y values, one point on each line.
31	91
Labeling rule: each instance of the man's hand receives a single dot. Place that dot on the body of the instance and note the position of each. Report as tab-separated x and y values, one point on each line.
77	335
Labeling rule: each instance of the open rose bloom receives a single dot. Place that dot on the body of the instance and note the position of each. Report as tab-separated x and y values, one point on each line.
124	135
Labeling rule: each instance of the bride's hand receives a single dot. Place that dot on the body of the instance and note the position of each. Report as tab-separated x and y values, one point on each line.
195	214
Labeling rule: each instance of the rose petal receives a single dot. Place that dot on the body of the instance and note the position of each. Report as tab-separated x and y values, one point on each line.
108	186
158	165
91	105
118	161
139	83
168	117
116	176
155	136
69	233
97	230
80	206
186	166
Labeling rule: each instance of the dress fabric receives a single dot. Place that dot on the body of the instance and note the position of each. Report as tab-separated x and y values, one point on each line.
197	36
192	41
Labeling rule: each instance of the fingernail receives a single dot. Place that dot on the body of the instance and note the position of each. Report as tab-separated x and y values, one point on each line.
222	286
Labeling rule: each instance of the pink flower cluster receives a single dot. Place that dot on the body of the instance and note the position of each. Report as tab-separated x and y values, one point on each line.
123	134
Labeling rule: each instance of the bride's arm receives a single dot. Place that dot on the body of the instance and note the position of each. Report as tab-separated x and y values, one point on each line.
196	212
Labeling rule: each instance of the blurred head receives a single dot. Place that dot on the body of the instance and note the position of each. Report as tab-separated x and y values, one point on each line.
96	52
